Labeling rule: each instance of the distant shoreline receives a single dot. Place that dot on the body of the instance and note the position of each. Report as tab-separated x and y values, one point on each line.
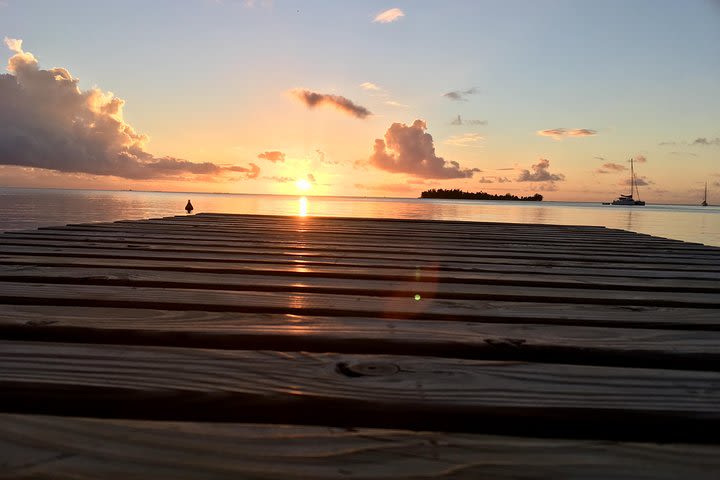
457	194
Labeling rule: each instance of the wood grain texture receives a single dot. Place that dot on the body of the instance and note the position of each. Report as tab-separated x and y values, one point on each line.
306	282
626	316
419	393
667	349
256	243
494	273
659	267
82	448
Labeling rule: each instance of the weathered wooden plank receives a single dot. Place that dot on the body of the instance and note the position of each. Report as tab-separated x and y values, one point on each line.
667	349
353	230
357	259
440	226
626	316
33	446
418	393
479	251
385	225
305	282
319	237
500	274
494	240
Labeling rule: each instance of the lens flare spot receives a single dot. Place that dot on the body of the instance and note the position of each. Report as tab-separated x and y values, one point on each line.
417	297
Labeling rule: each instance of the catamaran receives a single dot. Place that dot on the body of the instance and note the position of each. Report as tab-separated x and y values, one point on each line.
704	202
628	199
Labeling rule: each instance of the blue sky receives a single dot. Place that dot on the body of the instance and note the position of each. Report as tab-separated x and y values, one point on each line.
208	81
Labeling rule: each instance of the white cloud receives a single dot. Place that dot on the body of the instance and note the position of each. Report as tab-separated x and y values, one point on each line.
389	16
369	86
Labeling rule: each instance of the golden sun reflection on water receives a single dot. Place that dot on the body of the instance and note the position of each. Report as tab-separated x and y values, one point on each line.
303	207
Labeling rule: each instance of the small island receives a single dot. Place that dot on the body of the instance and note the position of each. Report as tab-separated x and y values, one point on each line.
457	194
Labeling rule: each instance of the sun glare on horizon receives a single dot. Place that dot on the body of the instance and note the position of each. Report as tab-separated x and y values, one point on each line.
303	184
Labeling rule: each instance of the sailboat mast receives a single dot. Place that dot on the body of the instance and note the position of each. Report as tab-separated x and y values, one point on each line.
632	178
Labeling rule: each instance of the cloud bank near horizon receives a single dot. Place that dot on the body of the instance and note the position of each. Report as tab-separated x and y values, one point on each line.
410	149
47	122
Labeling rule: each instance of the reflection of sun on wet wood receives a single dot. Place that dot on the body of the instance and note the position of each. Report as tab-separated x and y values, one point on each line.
478	328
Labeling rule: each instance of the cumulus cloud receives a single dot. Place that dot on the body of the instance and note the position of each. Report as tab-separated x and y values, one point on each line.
47	122
389	16
369	86
486	180
540	173
705	142
410	149
459	121
273	156
460	95
313	99
464	140
503	180
559	133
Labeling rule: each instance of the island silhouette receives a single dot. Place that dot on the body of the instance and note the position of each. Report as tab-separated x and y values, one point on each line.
457	194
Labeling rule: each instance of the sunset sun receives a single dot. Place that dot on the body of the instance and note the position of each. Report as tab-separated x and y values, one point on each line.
303	184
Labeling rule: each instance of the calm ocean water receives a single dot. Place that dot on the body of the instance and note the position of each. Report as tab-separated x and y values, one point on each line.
32	208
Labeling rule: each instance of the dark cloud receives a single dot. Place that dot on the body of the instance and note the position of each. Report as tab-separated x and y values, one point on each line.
639	159
459	121
460	95
559	133
615	167
47	122
506	168
599	158
313	99
503	180
705	142
690	154
410	149
540	173
486	180
698	142
273	156
641	181
253	171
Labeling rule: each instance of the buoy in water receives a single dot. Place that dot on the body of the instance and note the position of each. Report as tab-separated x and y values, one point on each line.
189	207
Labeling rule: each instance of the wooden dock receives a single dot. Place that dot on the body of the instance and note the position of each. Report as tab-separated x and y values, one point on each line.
247	346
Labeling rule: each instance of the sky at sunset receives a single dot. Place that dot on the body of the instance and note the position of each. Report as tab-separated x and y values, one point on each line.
363	98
